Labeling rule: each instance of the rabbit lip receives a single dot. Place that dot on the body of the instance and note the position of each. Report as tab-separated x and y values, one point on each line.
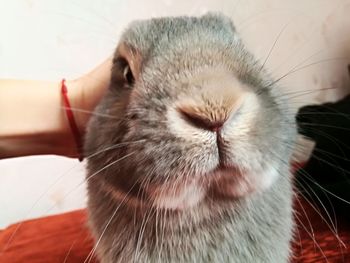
226	168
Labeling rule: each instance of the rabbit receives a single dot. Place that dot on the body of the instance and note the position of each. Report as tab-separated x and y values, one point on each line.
191	145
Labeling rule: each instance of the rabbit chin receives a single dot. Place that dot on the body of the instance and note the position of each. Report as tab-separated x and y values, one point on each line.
187	196
224	184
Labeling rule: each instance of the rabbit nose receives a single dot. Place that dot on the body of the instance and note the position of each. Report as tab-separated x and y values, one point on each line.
202	122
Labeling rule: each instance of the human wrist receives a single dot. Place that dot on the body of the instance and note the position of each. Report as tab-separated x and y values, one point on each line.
85	92
77	100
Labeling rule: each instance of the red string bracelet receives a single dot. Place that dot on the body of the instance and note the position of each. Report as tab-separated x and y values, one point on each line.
72	123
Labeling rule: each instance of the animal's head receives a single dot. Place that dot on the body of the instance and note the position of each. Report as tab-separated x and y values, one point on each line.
189	115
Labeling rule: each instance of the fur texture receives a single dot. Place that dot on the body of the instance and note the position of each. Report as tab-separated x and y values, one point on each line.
190	150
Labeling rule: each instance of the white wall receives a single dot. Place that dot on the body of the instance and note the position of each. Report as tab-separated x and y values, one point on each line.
51	39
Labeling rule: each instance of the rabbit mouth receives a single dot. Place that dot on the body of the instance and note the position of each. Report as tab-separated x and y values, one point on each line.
228	182
224	183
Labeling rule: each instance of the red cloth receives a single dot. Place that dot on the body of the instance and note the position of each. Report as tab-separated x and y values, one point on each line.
326	247
60	238
65	238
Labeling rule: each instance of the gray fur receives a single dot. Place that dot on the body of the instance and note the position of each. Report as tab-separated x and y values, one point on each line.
254	228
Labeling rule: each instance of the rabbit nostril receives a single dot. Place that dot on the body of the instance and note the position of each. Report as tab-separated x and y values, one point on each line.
216	126
202	122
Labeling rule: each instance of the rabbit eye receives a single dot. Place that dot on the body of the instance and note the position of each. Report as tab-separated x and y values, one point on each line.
128	76
122	71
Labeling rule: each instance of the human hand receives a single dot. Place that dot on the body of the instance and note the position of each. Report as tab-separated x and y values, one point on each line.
86	92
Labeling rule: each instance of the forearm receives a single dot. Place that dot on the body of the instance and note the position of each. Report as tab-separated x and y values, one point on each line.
33	120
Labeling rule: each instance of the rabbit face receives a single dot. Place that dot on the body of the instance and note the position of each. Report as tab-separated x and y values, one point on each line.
195	118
